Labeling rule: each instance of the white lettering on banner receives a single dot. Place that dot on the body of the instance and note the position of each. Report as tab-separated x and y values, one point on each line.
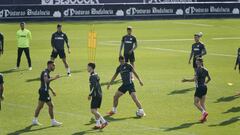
162	11
8	13
133	11
93	11
192	10
31	12
162	1
69	2
219	9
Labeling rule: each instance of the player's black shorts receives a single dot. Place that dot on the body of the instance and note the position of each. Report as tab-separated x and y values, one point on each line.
44	96
129	57
96	102
124	88
201	91
61	54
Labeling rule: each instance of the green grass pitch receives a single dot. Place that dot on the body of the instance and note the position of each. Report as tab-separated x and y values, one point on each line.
161	61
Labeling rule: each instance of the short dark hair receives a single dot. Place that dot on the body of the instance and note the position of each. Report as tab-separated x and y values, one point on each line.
92	65
50	62
200	59
120	58
22	23
59	25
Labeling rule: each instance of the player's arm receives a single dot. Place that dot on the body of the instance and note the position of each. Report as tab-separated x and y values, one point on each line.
121	47
52	43
189	80
93	83
112	80
237	60
204	51
29	35
208	78
67	43
53	92
135	45
190	58
136	75
47	80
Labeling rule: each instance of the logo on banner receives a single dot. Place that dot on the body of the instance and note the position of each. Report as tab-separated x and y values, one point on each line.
179	12
120	13
57	14
236	11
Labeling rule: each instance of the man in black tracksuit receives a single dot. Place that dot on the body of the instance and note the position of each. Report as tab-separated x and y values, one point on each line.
58	40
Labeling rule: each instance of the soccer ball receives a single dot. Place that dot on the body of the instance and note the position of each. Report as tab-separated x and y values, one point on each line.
139	114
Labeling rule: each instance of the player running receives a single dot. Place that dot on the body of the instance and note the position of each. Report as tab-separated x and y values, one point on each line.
198	50
201	87
126	70
238	61
1	90
95	96
23	41
57	41
129	42
44	96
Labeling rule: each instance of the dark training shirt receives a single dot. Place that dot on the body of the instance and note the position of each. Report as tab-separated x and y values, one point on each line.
1	43
58	40
238	57
126	73
197	49
95	87
129	41
45	86
201	75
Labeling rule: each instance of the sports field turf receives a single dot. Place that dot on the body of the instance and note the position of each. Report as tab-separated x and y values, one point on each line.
161	61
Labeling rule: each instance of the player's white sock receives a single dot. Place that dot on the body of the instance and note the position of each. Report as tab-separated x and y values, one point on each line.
68	70
140	110
102	119
114	109
53	120
35	119
98	123
203	111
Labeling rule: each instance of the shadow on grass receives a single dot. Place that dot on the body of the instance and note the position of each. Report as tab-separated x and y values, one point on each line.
182	126
110	119
115	82
33	79
227	122
226	99
12	71
233	109
90	131
182	91
27	130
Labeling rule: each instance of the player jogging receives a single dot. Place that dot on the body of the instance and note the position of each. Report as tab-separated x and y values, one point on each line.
44	96
23	41
198	50
57	41
126	70
1	90
95	96
201	87
237	60
129	42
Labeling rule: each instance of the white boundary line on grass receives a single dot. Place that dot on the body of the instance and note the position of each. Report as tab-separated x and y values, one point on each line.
195	24
140	128
173	50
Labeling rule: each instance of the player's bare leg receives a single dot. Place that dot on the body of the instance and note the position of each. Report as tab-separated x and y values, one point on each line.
137	102
66	66
116	97
132	63
51	114
204	113
197	103
100	121
37	111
